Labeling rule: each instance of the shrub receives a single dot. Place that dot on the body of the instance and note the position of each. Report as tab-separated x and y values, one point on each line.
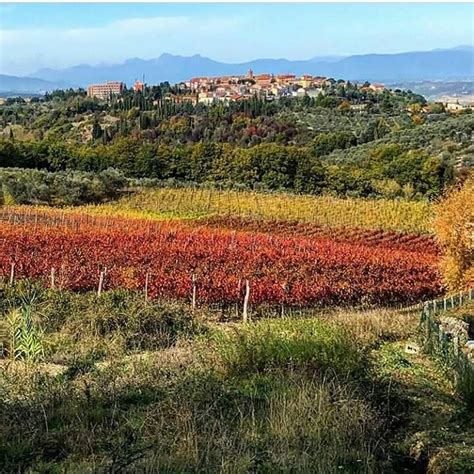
454	227
21	186
116	322
25	341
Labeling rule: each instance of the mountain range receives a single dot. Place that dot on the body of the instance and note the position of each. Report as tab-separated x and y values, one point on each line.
11	85
441	64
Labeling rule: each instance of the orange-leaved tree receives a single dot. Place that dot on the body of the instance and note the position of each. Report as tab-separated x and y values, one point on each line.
454	226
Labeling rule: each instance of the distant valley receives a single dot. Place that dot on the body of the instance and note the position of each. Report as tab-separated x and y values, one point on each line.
441	91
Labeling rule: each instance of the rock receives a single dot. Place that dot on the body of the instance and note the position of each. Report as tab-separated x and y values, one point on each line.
470	345
455	328
412	348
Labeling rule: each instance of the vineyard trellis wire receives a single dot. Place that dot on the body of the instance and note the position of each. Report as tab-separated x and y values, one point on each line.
446	347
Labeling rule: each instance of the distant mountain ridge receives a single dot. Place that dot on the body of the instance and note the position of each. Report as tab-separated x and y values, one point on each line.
28	85
442	64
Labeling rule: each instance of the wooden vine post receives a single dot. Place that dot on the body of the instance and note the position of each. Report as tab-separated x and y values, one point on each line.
12	273
285	291
101	281
239	287
193	303
147	281
53	278
246	302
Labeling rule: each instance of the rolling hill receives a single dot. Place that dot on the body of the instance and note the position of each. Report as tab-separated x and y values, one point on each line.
14	85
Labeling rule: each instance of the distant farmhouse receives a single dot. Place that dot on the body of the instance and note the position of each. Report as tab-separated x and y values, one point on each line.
454	107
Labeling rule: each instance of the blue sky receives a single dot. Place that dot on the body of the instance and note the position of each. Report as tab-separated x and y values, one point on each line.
60	35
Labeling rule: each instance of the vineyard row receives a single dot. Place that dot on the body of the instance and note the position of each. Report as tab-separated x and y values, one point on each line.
282	270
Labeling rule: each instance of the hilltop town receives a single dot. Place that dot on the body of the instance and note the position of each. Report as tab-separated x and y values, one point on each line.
267	87
207	90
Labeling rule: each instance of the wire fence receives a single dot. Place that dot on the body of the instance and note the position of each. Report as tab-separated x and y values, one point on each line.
450	348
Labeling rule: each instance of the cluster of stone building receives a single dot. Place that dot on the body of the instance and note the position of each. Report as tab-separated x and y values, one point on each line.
268	86
208	90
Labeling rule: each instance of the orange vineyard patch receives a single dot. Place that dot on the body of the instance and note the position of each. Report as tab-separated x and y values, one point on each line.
292	270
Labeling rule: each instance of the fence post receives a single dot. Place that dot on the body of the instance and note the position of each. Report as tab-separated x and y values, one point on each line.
147	278
460	298
194	292
246	301
52	278
456	345
12	273
101	282
444	304
239	286
285	291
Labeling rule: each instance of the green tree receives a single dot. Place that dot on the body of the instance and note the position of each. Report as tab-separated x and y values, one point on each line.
96	130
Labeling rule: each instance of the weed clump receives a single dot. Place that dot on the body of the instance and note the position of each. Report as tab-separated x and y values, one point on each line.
289	343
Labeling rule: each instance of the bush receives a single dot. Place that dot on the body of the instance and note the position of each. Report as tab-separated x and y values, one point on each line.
453	225
75	325
64	188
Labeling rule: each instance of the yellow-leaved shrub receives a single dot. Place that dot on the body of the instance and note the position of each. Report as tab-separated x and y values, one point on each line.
454	226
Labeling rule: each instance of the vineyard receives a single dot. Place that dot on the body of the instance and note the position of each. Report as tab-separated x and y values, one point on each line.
326	211
161	303
194	203
211	261
386	238
277	278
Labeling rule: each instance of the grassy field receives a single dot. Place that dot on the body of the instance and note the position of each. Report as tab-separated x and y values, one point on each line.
118	384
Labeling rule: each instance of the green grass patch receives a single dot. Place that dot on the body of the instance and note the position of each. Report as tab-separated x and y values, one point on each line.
288	343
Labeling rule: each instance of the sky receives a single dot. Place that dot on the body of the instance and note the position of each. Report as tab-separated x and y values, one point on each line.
33	36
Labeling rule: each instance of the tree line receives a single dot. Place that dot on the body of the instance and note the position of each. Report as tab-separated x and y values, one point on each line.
387	170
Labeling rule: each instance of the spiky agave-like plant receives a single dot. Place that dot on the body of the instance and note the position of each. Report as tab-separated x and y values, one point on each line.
26	339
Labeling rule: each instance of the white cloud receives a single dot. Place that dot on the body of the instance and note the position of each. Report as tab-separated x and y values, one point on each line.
29	49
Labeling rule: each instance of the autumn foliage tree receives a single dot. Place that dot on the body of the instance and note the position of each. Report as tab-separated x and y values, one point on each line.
454	225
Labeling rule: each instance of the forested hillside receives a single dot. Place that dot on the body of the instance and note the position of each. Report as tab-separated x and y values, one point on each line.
348	141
